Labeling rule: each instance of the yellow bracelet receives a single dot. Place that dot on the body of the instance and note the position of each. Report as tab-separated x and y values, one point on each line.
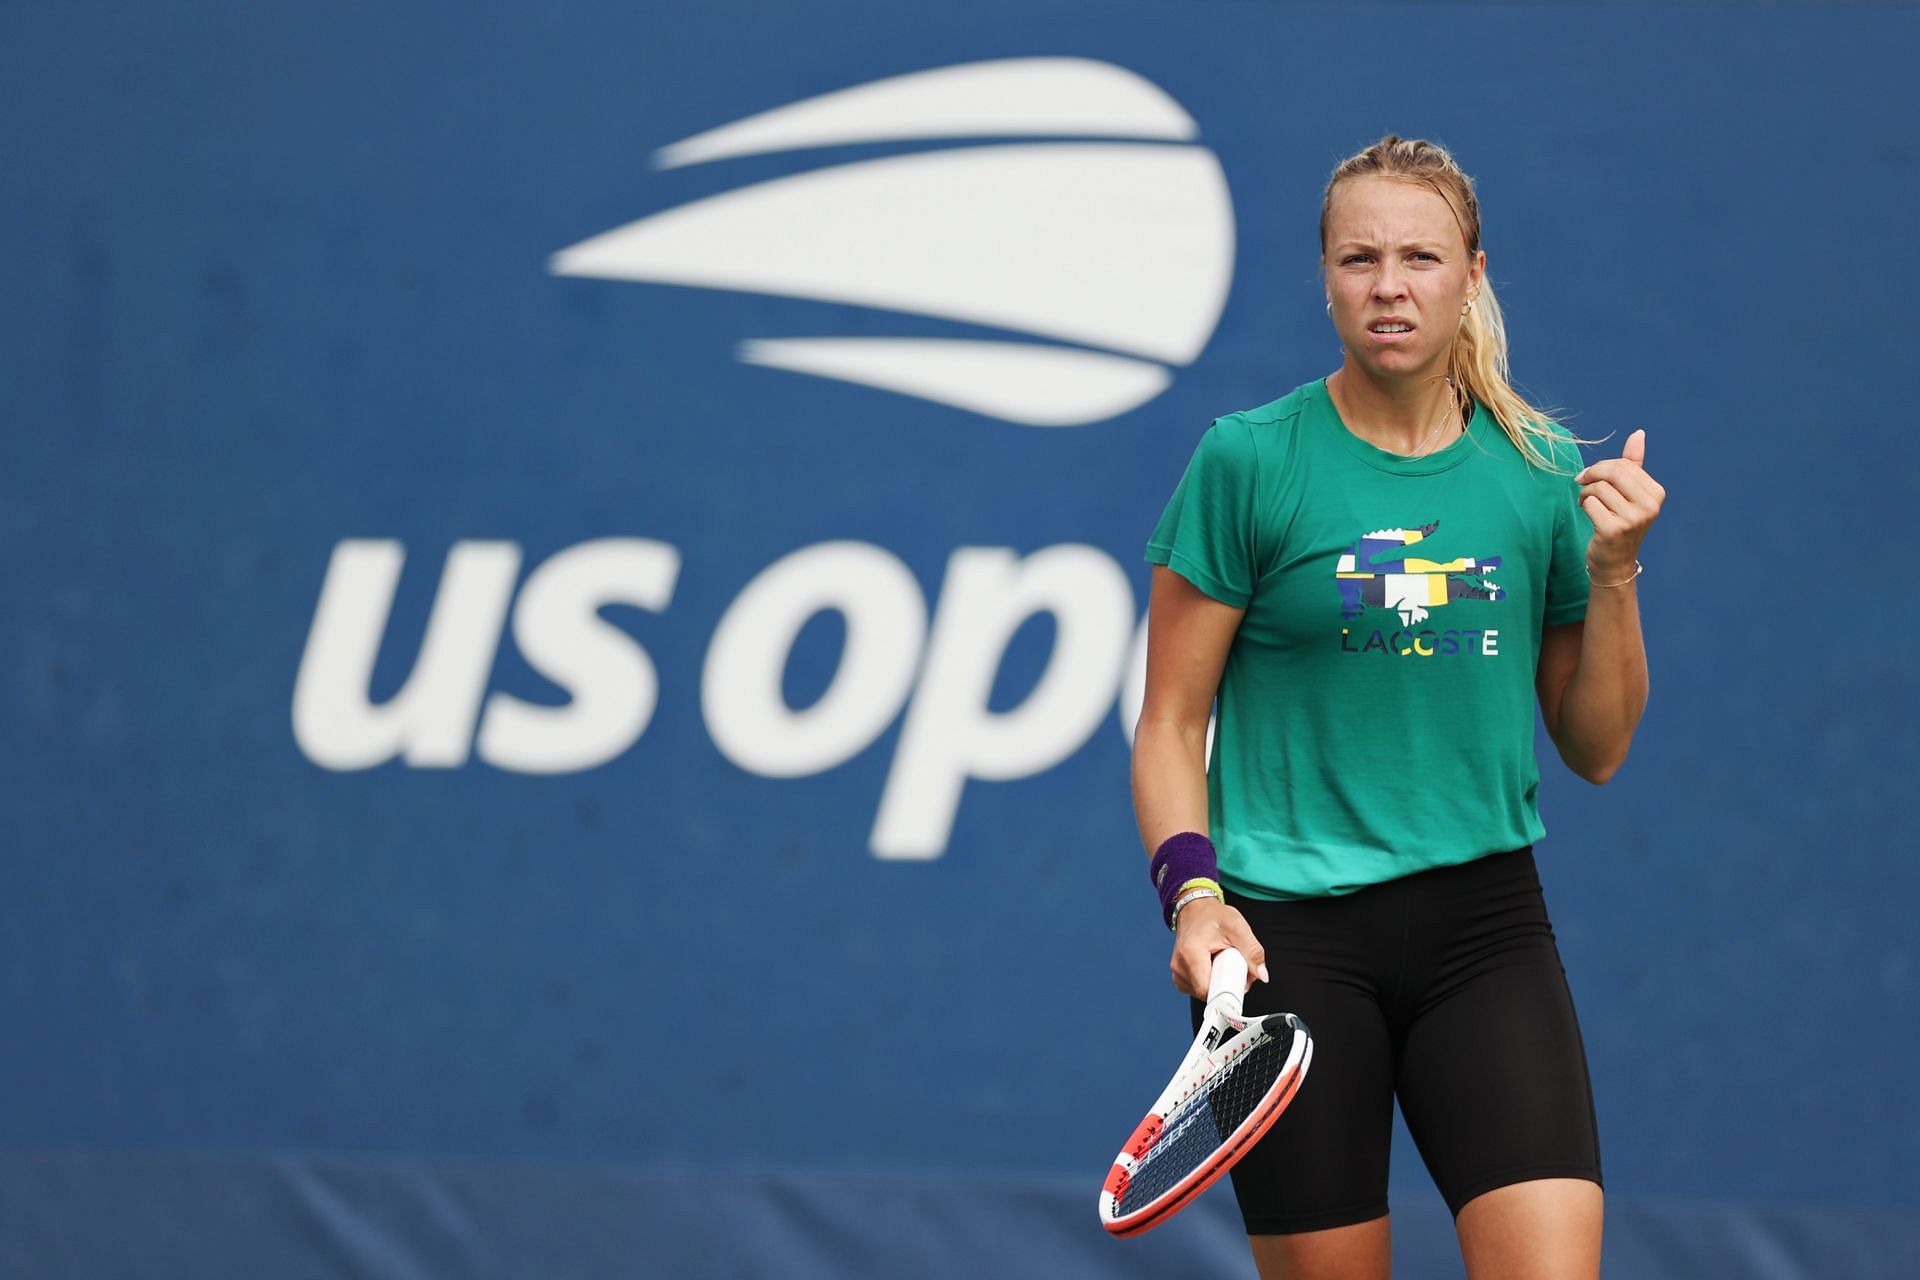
1200	882
1638	569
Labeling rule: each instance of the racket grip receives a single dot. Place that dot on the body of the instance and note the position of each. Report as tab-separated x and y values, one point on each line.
1228	982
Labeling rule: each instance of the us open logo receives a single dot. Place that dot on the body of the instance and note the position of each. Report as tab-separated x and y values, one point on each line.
1105	262
1113	257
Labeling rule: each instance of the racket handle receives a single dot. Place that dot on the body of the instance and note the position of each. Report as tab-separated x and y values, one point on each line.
1228	982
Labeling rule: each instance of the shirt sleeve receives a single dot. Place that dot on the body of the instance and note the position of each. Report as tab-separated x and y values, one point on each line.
1206	534
1567	580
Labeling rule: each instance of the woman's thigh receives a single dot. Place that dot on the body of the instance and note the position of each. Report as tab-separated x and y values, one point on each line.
1323	1164
1493	1074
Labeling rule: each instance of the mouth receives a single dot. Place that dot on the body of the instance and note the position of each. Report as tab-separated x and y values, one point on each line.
1391	329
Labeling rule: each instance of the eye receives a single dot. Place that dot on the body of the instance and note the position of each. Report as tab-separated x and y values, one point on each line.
1352	258
1422	254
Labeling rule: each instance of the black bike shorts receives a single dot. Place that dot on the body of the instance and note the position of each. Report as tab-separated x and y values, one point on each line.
1444	989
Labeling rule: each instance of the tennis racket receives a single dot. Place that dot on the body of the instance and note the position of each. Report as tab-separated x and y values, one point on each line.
1233	1084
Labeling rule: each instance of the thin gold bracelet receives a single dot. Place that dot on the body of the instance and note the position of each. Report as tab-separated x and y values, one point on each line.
1638	569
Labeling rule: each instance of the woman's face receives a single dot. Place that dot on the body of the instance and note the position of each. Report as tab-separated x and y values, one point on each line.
1398	273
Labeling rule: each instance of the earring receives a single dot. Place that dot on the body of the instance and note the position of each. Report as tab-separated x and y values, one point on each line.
1329	308
1466	307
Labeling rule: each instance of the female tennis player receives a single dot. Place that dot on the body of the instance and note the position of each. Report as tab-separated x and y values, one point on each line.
1377	574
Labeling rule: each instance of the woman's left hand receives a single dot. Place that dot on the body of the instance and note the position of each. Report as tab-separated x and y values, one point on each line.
1623	501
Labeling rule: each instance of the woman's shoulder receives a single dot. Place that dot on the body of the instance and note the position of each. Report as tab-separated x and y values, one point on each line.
1262	439
1280	413
1549	439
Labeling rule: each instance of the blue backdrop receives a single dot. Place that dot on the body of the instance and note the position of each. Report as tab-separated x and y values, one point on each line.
536	653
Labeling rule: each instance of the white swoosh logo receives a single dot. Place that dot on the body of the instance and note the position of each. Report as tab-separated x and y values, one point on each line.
1126	247
1003	98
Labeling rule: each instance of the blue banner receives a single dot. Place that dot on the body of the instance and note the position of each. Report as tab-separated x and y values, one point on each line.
577	593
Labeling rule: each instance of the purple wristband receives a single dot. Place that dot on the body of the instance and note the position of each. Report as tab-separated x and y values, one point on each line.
1187	856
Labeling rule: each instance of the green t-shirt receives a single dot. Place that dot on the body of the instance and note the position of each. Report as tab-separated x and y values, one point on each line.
1376	710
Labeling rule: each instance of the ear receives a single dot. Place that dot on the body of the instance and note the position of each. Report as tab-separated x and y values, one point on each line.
1476	272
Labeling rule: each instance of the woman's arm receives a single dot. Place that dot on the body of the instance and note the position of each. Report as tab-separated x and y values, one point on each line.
1593	684
1188	635
1592	678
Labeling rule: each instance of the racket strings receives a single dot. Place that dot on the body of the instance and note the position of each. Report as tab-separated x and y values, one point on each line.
1205	1120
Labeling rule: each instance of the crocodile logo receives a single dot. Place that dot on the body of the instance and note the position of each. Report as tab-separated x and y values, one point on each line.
1409	571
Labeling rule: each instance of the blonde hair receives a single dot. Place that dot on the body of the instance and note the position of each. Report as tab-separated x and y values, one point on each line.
1478	361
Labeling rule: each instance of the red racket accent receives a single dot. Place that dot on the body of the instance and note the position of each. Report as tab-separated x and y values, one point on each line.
1143	1137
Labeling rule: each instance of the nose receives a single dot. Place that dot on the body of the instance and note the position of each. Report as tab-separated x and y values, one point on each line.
1387	285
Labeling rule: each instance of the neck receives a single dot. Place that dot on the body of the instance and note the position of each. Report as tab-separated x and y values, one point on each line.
1400	416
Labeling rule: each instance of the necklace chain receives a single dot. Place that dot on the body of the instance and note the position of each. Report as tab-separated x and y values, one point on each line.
1453	407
